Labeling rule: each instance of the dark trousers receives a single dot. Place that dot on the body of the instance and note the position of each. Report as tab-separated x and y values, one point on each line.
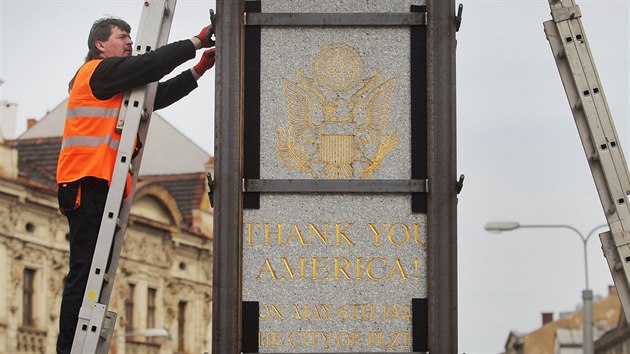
84	223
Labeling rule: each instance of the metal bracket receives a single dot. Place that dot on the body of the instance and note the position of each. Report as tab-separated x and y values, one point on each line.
458	18
335	19
210	188
212	33
335	186
460	183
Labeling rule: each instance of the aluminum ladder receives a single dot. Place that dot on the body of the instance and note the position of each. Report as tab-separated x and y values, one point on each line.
96	324
599	137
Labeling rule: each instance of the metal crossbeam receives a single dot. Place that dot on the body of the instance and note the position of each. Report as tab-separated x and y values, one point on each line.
336	19
335	186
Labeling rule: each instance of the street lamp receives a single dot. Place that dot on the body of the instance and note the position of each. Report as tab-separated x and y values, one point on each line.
587	293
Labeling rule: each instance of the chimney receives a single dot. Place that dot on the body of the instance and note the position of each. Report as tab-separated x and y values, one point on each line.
612	290
8	119
547	317
30	123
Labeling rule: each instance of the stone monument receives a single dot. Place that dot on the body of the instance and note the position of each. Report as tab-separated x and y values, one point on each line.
334	231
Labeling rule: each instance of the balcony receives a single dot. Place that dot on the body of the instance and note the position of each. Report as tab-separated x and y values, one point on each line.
31	340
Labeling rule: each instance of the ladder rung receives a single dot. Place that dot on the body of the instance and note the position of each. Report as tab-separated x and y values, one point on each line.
562	53
108	324
579	105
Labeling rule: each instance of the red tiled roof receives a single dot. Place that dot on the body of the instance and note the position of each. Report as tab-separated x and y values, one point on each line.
187	189
37	160
37	164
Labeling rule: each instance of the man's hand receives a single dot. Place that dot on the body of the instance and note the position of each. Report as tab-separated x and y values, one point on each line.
205	36
206	62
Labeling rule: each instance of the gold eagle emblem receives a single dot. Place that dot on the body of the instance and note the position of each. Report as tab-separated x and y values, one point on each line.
336	117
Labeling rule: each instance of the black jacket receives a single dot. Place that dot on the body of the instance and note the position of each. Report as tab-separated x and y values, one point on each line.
119	74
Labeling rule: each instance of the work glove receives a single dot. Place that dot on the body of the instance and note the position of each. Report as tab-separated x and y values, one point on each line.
205	36
206	62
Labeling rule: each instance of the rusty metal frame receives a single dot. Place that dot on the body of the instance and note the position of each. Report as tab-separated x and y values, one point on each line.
442	215
335	186
335	19
442	211
227	252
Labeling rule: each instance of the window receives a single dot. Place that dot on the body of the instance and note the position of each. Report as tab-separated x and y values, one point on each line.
181	325
151	295
129	308
28	292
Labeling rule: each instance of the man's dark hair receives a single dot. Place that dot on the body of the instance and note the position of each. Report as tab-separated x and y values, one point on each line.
101	30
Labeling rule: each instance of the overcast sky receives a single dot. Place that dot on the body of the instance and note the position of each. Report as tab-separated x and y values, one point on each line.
517	142
523	159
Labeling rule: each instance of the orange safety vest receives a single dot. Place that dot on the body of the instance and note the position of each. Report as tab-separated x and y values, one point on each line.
90	141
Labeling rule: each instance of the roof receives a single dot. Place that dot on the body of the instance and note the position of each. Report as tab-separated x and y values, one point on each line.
51	125
606	314
162	163
37	159
189	191
166	150
566	337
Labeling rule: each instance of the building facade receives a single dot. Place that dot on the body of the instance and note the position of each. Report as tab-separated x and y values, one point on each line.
163	291
564	334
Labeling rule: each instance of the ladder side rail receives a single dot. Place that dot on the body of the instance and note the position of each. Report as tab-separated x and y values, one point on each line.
110	242
125	209
588	135
90	318
594	121
598	98
142	126
113	225
581	69
153	32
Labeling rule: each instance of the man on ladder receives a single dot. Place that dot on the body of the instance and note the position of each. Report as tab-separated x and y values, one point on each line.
90	140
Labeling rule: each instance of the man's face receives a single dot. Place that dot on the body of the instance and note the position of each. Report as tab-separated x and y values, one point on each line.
117	45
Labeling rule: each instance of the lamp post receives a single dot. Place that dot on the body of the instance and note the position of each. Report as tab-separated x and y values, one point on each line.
587	293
